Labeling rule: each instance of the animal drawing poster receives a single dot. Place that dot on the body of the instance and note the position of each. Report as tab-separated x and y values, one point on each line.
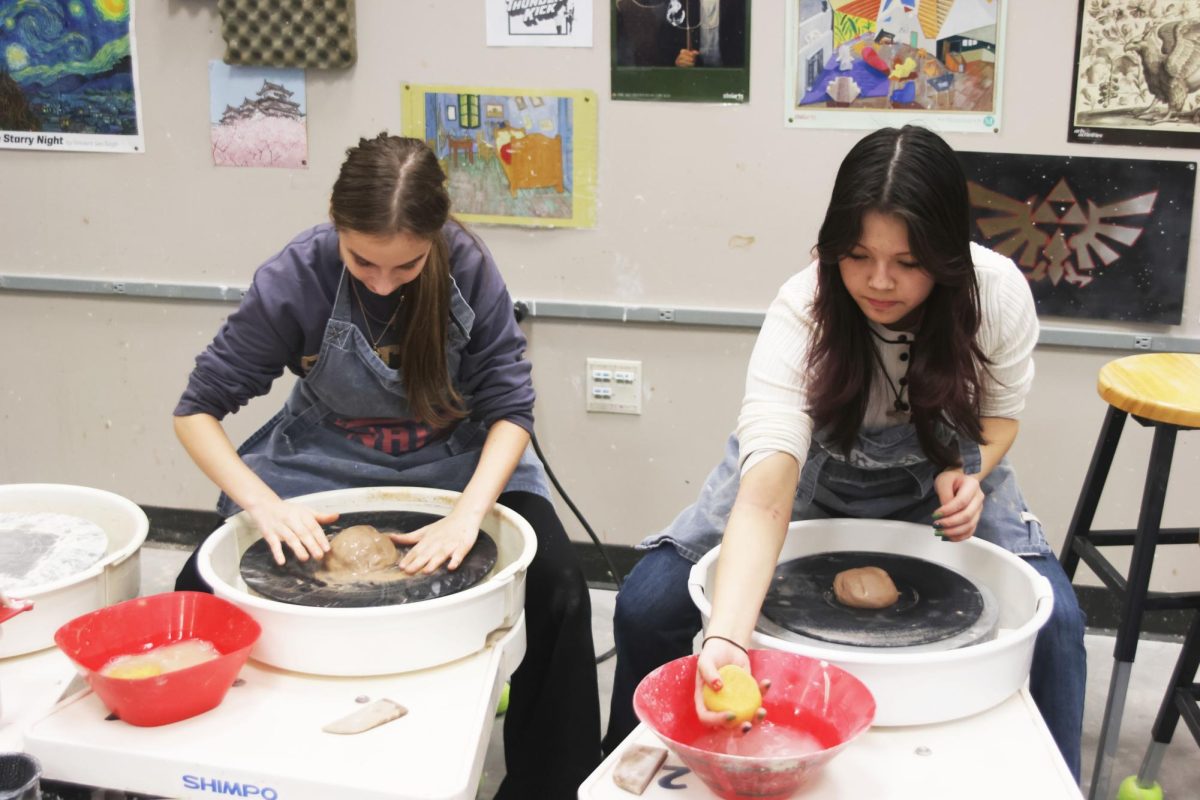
1137	71
681	50
257	116
877	63
539	23
68	76
1097	238
511	156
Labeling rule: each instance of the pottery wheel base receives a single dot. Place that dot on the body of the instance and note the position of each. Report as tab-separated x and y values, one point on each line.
299	582
936	603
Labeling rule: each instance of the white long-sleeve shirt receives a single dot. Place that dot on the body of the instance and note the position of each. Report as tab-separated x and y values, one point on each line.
773	417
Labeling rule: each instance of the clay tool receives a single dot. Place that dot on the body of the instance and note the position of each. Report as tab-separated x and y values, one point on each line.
369	716
638	766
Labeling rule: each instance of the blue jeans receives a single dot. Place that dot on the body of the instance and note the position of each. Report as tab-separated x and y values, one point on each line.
655	622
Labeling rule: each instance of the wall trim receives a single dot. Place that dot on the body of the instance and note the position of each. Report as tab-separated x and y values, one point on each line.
579	311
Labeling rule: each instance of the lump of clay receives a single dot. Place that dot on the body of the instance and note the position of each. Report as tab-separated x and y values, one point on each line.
865	587
358	550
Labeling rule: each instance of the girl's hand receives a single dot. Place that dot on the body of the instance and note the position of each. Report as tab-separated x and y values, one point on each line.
962	504
715	654
299	527
447	540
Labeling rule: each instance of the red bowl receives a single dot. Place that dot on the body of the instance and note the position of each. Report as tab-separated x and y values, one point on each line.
138	625
814	710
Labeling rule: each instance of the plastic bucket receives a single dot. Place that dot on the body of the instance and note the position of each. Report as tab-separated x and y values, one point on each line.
19	774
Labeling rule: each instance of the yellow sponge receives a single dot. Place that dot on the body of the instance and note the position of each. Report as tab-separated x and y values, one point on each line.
134	671
739	694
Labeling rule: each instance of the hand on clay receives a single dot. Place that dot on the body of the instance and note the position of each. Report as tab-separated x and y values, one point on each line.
299	527
446	541
686	58
715	654
962	504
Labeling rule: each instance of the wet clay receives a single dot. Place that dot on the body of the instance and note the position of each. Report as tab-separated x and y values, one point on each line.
865	587
361	553
160	660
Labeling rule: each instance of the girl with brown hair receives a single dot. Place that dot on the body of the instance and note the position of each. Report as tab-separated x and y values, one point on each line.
402	334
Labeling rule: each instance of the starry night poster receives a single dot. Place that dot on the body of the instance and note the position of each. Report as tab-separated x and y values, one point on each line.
68	76
1097	238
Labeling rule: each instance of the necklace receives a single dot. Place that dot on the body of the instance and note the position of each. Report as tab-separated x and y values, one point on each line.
900	404
367	317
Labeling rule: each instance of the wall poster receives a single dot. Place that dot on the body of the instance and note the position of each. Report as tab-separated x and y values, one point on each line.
68	76
257	116
512	156
539	23
1136	73
1098	238
870	64
685	50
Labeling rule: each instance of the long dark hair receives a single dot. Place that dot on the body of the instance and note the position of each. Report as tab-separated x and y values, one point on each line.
913	174
391	185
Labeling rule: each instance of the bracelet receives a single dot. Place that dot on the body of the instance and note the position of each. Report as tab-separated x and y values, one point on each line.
723	639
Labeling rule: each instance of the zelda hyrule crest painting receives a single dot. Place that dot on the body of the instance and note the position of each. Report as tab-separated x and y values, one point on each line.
1098	238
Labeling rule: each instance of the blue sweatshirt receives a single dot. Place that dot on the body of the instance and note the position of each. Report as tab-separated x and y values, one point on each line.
281	323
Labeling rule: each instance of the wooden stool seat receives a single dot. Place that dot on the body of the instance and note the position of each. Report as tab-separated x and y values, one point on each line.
1161	387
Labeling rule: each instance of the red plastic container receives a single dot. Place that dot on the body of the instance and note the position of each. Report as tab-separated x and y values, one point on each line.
814	710
138	625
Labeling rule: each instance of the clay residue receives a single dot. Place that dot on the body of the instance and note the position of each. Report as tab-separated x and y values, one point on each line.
161	660
865	587
361	553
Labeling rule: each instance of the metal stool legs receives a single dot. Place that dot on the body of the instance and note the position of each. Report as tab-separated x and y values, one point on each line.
1135	588
1181	699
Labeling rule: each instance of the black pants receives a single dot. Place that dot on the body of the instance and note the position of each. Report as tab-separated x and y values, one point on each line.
552	730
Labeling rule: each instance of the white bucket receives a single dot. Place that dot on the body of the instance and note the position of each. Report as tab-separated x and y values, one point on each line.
378	640
926	687
115	577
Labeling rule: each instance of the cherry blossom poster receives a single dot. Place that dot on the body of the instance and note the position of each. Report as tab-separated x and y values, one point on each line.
1097	238
257	116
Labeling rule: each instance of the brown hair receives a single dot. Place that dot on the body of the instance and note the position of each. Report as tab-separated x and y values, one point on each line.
391	185
913	174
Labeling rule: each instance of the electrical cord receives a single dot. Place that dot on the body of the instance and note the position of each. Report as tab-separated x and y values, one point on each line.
612	569
521	311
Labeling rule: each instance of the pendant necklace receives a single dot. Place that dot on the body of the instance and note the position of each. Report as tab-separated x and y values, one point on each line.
900	403
367	317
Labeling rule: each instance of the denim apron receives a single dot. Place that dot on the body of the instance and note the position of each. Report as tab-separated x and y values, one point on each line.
885	476
300	451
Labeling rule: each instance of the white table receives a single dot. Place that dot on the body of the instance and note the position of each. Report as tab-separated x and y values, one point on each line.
29	687
1000	754
265	738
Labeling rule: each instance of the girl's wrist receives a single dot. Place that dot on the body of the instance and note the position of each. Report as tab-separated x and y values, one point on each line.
733	642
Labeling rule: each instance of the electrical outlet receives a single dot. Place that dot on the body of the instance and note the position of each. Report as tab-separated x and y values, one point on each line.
614	386
1142	342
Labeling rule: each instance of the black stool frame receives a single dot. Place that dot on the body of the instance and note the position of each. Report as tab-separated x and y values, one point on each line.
1083	543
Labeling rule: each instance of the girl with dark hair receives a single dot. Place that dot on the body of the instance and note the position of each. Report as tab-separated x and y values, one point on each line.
401	331
885	384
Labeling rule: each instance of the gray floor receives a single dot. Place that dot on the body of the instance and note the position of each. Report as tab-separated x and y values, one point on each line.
1151	671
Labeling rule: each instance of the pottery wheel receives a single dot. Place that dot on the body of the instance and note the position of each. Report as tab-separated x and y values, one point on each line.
298	582
935	602
39	548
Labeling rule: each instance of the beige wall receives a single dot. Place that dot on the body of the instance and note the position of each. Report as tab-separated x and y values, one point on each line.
88	382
